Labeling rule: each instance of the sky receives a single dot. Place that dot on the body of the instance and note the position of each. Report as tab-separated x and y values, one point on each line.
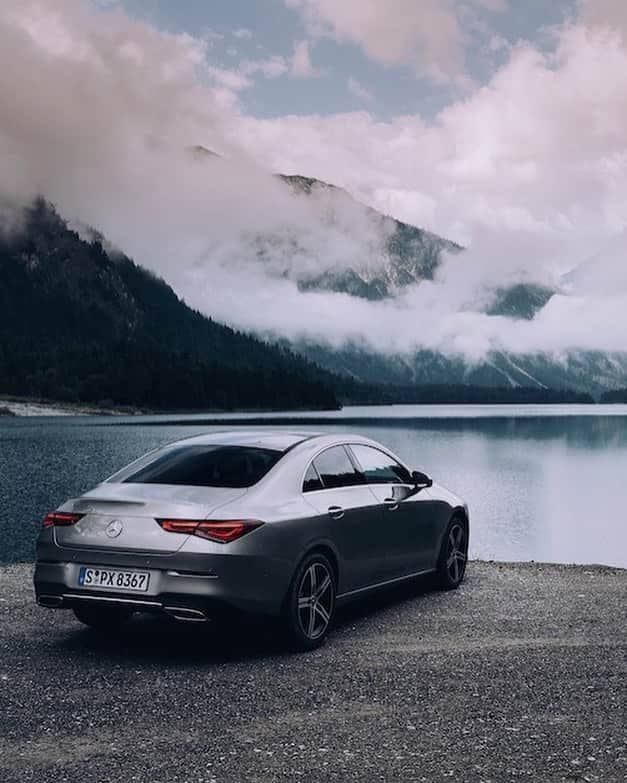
343	72
499	124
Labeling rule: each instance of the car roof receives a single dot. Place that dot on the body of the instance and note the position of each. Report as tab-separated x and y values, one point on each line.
279	440
301	441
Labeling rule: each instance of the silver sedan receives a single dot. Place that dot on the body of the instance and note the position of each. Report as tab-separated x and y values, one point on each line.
290	524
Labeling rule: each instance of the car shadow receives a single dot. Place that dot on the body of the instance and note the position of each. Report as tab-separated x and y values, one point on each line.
159	639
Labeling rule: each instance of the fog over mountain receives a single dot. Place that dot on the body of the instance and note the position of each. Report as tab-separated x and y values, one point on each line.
528	173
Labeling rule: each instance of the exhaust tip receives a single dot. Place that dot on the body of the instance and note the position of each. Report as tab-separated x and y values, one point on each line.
50	601
185	614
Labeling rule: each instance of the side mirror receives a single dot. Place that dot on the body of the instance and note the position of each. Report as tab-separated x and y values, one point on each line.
421	480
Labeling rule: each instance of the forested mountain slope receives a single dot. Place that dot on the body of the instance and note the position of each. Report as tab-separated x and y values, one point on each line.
77	323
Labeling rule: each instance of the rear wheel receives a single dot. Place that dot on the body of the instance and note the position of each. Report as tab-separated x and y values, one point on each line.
453	555
103	618
310	603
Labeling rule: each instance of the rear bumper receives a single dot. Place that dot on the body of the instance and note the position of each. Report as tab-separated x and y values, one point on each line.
181	607
206	584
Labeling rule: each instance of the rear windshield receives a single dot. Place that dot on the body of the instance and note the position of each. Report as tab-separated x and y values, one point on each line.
207	466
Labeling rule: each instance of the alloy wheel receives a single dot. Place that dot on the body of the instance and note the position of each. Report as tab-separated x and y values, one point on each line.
315	600
456	553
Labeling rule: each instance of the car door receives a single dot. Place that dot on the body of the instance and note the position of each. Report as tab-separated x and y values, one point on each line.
407	520
349	516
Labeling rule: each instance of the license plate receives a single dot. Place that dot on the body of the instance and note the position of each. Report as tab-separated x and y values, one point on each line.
113	579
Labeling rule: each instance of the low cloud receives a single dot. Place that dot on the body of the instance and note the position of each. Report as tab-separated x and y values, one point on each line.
528	171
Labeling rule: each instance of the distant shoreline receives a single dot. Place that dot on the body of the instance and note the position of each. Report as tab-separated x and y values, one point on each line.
24	406
32	407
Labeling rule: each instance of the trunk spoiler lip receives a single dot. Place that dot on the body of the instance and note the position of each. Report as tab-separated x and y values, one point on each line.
108	506
200	508
95	499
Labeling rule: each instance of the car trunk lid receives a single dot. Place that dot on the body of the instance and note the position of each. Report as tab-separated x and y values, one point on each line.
123	516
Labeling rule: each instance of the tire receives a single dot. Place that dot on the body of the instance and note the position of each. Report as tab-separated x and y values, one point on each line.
453	556
310	603
102	618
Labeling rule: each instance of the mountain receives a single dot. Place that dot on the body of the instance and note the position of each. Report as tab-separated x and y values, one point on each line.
408	256
77	323
397	255
521	300
582	371
81	324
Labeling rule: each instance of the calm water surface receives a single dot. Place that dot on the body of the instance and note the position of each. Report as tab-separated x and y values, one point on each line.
543	482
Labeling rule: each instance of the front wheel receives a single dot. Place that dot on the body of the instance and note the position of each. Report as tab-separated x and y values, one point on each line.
102	618
310	603
453	555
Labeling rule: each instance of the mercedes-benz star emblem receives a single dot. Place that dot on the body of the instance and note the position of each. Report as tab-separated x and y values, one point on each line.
114	528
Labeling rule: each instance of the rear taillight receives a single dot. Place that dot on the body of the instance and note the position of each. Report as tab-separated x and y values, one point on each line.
60	519
222	531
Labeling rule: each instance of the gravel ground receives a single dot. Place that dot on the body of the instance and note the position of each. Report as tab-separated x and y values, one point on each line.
519	675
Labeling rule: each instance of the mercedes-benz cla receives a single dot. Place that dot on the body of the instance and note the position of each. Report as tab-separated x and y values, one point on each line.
270	522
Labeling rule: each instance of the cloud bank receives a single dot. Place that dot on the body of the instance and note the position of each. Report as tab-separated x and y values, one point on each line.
529	171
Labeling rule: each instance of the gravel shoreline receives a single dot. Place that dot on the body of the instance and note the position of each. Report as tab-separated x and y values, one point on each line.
33	408
520	674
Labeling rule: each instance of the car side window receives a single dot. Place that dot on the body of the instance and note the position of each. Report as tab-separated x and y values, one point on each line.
336	469
378	467
311	481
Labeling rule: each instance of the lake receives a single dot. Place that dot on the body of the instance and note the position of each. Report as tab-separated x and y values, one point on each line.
545	483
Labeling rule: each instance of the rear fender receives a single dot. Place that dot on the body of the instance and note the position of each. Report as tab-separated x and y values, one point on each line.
326	546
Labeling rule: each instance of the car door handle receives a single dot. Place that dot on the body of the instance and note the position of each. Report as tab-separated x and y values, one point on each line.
336	512
391	503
